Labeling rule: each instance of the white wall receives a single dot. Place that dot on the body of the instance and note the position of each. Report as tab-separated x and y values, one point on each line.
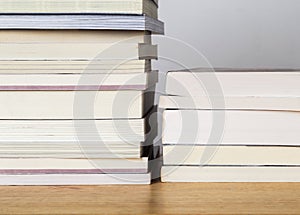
237	33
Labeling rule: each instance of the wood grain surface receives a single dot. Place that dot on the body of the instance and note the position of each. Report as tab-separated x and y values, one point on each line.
197	198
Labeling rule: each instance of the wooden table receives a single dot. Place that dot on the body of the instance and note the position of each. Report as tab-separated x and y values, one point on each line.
202	198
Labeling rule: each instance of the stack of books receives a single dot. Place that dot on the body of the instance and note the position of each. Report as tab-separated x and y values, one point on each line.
76	91
228	125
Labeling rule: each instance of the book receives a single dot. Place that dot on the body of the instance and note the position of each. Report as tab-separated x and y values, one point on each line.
75	67
74	179
119	132
81	139
230	174
83	82
75	46
73	166
134	7
72	150
89	52
231	155
68	105
79	152
81	22
239	127
71	51
233	83
230	103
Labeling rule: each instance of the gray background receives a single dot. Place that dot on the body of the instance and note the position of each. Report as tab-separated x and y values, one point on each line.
235	33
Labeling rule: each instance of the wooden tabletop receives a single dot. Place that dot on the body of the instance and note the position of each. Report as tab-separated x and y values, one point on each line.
197	198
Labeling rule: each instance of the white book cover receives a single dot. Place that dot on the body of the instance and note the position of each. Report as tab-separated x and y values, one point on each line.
121	22
231	155
134	7
75	179
72	166
230	103
75	45
86	82
230	174
234	83
97	66
65	132
231	127
68	105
